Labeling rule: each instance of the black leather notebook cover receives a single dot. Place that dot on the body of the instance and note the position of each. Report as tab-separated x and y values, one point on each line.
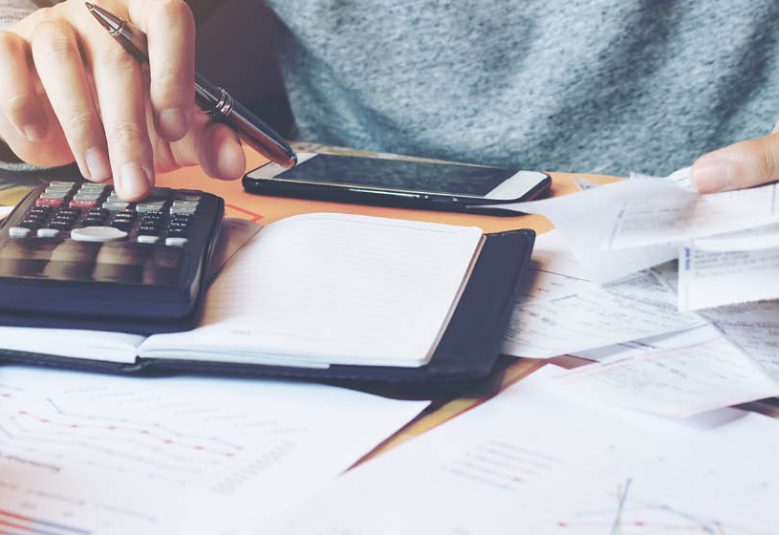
467	351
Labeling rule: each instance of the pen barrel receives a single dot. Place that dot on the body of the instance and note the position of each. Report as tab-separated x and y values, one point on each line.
133	40
220	106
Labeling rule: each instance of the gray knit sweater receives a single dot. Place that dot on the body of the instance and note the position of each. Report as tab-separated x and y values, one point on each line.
572	85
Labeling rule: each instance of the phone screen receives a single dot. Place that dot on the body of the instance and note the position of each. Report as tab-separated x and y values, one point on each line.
399	174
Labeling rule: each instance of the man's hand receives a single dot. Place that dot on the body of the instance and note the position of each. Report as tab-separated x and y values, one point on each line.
71	92
745	164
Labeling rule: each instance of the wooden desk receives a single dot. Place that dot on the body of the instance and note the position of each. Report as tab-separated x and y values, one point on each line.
265	210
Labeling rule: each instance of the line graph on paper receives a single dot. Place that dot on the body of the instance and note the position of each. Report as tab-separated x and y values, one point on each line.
633	516
106	450
125	432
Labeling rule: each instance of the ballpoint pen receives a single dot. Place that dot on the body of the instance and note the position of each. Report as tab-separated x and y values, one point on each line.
212	99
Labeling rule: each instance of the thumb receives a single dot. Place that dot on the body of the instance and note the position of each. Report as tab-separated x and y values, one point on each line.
742	165
212	146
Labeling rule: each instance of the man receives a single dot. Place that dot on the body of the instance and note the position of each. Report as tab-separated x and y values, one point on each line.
590	86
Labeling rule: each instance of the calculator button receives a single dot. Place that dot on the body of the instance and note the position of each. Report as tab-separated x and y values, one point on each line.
147	238
83	204
97	234
92	188
187	197
19	232
48	232
53	195
86	196
115	206
49	202
146	207
182	210
176	242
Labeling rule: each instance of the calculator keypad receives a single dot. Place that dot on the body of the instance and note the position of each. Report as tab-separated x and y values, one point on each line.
61	233
64	207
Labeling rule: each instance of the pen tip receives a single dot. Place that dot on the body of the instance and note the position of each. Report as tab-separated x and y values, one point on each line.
89	6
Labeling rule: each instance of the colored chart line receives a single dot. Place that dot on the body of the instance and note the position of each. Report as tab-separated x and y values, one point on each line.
11	522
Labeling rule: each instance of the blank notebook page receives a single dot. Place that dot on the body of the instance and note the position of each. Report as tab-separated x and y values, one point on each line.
321	289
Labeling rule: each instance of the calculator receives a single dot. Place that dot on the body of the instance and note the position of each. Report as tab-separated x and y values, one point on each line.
73	254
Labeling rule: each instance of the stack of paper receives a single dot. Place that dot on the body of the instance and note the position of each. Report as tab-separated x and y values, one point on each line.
534	461
606	286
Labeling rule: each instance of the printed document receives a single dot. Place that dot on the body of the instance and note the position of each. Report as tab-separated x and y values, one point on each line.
562	312
687	215
678	375
754	327
531	460
83	453
587	219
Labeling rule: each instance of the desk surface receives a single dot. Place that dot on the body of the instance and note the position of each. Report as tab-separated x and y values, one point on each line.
265	210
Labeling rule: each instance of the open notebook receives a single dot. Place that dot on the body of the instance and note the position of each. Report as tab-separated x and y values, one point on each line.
316	291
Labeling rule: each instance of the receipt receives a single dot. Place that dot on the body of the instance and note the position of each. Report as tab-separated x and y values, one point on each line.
753	327
636	308
681	177
643	222
694	372
554	271
587	219
715	278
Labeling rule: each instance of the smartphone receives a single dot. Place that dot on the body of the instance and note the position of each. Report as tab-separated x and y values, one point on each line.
396	181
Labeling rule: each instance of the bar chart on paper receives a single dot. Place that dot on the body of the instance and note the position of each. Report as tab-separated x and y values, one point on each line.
98	454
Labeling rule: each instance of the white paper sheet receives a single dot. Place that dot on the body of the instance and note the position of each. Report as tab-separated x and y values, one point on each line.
322	289
694	372
531	461
637	307
715	278
754	327
554	271
685	215
118	455
587	220
681	177
766	237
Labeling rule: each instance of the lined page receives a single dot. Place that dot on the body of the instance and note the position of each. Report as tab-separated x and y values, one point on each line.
322	289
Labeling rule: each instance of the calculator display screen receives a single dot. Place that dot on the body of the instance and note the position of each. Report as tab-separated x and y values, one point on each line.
400	175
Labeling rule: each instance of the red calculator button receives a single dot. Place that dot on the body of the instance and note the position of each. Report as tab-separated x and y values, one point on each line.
49	202
82	204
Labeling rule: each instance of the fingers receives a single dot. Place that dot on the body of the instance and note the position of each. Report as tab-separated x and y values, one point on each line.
170	29
223	157
55	51
121	96
212	145
745	164
20	102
